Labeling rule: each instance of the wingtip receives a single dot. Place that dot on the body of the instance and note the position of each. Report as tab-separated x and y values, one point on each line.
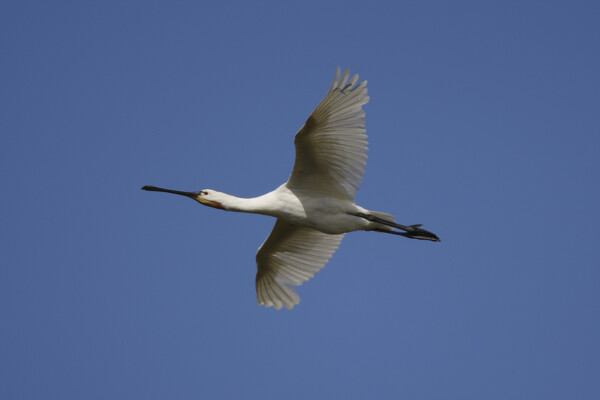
336	78
270	292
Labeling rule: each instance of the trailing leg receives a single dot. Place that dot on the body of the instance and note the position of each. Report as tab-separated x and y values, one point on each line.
410	231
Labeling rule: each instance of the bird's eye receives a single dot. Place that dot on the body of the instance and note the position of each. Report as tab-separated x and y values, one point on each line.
204	192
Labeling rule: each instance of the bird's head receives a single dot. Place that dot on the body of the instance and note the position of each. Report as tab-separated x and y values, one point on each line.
206	197
209	197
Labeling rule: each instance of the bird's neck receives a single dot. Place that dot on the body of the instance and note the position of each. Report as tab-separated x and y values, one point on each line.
254	205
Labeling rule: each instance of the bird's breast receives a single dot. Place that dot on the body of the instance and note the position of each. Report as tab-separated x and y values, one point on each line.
324	214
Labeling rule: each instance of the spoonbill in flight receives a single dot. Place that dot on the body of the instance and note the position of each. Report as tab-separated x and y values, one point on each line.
315	207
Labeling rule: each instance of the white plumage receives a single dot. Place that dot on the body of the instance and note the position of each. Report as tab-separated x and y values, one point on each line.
331	147
315	207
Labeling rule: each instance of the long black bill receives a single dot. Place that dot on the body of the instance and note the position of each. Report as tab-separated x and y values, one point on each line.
191	195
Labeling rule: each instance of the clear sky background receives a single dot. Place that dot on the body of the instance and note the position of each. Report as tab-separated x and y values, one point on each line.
484	125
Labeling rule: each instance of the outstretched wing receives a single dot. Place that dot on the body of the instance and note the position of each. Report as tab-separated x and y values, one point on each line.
290	256
331	147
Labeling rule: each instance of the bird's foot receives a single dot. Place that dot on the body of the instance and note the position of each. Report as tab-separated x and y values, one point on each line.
414	232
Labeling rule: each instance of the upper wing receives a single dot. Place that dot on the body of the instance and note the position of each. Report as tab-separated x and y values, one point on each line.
331	147
290	255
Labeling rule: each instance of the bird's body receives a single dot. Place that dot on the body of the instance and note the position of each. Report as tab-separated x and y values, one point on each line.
315	207
302	208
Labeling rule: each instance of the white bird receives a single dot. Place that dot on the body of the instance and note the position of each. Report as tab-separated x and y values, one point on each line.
315	207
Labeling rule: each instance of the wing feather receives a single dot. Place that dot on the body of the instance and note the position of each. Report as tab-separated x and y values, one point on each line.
331	147
290	256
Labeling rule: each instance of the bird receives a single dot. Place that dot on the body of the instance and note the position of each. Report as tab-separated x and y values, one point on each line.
315	208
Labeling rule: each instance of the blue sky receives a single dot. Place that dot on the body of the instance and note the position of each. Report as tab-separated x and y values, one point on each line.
483	125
